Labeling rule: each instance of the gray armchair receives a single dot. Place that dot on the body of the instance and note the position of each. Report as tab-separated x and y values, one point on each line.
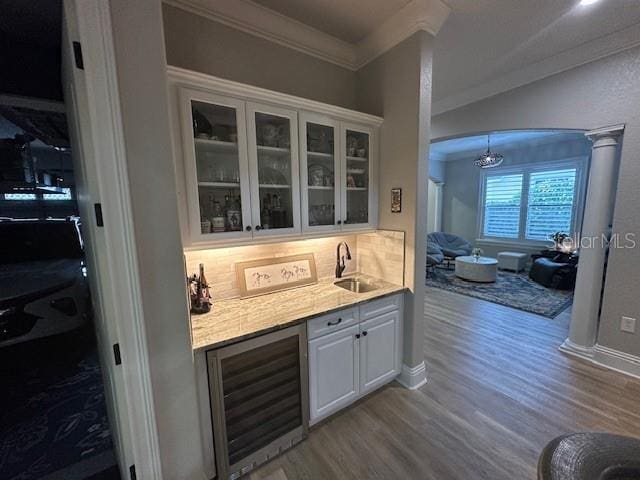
451	245
434	255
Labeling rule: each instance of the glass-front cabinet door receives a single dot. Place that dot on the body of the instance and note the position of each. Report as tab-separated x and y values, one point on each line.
216	166
357	176
320	173
274	170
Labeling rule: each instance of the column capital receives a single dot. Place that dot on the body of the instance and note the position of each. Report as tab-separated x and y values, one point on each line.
611	132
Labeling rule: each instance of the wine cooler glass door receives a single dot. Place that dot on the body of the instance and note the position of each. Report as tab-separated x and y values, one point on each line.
274	170
320	174
217	167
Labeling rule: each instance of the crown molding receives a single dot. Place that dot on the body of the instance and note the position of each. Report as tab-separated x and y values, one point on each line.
263	22
254	19
583	54
427	15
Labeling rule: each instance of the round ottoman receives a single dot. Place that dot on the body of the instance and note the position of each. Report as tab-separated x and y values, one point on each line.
590	456
480	269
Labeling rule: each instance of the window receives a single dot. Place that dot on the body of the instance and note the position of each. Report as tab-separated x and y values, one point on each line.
551	203
503	196
58	196
66	195
19	196
530	203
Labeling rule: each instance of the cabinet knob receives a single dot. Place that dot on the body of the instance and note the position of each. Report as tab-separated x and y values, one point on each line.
339	222
357	335
248	229
258	227
364	334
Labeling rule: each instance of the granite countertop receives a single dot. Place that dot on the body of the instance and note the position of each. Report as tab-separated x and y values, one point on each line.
238	319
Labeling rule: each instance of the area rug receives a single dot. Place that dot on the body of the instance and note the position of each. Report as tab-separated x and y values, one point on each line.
513	290
53	418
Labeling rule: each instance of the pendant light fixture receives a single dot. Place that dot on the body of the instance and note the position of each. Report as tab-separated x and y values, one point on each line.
489	159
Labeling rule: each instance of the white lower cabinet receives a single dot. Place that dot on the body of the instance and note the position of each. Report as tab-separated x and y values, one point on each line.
349	363
333	372
379	351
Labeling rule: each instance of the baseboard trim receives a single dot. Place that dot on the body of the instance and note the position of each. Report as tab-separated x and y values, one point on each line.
605	357
576	350
616	360
413	378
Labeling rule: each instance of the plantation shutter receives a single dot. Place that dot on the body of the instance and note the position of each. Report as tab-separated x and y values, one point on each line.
503	196
550	203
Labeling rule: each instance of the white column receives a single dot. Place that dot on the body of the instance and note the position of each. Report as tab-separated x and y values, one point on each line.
598	214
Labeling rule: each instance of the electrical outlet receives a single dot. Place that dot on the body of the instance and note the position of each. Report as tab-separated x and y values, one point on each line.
628	324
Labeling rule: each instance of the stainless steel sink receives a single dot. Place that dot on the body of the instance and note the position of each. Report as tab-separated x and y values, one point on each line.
356	285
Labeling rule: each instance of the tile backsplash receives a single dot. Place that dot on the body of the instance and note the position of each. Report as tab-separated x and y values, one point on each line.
382	256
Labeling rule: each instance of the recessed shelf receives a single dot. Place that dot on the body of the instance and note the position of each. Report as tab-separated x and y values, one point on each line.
216	144
219	184
357	159
313	187
273	185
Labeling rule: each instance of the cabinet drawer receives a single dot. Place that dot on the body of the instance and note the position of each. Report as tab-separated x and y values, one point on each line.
332	322
380	307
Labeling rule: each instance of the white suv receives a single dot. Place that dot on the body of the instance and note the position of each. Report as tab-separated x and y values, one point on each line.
43	284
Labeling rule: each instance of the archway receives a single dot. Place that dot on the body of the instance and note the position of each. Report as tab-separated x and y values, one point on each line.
600	181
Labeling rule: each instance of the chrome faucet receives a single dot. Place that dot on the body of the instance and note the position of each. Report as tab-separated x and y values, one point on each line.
340	263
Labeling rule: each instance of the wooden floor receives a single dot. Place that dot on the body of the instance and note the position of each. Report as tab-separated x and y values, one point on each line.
498	390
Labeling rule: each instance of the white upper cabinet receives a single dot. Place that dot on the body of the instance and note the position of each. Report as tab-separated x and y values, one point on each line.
274	170
214	141
358	174
320	173
254	164
338	172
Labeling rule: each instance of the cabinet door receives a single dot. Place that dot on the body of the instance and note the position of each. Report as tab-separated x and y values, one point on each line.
216	165
333	372
274	170
379	351
320	173
358	177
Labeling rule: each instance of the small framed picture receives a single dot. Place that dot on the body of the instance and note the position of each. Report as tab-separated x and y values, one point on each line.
396	200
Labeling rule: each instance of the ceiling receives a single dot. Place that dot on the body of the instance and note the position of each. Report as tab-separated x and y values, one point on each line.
449	149
485	41
349	21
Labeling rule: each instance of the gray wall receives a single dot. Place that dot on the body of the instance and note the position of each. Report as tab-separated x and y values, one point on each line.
202	45
437	170
461	192
397	86
142	78
605	92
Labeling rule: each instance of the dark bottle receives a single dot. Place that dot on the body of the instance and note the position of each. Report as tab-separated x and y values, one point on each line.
234	215
265	213
277	214
199	292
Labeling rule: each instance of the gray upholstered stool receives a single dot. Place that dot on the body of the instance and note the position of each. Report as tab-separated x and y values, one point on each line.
590	456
